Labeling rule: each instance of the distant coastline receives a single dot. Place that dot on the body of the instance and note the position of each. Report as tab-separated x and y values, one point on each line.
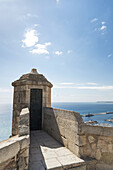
104	102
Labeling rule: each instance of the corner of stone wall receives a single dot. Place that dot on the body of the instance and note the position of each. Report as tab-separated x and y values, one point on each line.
64	126
24	122
14	152
96	142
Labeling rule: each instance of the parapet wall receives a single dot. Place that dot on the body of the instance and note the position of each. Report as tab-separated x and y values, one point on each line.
64	126
86	141
14	152
97	142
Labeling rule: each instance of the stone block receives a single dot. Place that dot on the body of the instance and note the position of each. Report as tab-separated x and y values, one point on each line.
79	168
64	141
102	166
73	148
82	140
53	164
91	139
8	150
62	130
21	163
98	154
24	142
23	130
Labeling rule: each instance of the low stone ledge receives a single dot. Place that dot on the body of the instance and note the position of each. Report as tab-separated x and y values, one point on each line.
96	130
9	148
64	113
23	128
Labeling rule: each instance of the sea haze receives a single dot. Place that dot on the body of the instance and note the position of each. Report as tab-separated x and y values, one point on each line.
5	121
82	108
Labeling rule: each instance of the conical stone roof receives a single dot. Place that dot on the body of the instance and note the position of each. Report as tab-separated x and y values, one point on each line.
32	78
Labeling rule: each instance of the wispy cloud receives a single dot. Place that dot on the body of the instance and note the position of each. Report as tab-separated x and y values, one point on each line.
94	20
36	25
32	15
66	83
99	26
103	27
78	84
109	55
86	87
31	38
69	51
103	22
41	48
58	52
83	86
92	83
57	1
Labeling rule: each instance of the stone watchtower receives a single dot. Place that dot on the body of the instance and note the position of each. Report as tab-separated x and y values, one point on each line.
32	90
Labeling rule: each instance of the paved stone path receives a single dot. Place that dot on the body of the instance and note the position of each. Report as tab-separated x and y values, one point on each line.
46	153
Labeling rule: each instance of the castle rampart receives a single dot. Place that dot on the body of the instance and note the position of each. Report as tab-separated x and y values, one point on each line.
94	144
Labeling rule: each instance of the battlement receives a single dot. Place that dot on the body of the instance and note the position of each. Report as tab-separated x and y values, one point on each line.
72	144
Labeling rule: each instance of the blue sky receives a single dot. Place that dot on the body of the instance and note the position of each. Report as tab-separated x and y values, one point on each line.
69	41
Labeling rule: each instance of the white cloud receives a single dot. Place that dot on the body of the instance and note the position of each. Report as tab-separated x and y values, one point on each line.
57	1
91	83
94	20
109	55
87	87
78	84
103	22
97	87
69	51
36	25
58	52
66	83
103	27
41	48
32	15
31	38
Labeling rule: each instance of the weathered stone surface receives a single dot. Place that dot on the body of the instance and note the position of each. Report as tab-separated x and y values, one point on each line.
102	166
91	139
11	152
8	150
22	89
82	140
23	128
64	126
21	163
28	78
51	154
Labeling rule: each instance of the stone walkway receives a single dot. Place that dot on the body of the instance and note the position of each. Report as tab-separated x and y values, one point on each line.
47	154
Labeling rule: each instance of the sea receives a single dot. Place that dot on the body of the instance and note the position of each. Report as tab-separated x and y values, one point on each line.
81	107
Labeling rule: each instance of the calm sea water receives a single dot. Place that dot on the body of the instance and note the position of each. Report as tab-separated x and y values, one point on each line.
82	108
5	121
85	108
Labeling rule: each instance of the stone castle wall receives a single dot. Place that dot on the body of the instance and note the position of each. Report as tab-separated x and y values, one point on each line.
97	142
14	152
64	126
86	141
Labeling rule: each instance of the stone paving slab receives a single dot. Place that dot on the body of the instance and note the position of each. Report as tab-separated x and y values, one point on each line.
48	154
